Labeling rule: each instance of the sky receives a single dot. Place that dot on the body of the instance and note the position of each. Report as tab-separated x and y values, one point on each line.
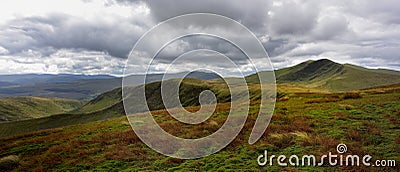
96	36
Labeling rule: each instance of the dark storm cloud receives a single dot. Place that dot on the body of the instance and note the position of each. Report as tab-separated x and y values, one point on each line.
249	14
191	43
57	31
287	24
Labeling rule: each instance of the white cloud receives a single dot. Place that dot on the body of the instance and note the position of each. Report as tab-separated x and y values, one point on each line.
3	50
62	61
89	9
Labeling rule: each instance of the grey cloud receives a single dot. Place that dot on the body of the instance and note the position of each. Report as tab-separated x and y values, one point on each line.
190	43
63	61
251	14
281	22
293	18
387	12
277	46
57	31
363	32
330	27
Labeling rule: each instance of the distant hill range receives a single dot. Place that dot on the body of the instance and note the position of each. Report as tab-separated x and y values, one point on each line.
61	85
80	87
321	74
327	75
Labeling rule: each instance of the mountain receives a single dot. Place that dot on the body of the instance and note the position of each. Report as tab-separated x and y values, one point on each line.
309	71
20	108
328	75
5	84
68	86
135	80
80	87
109	105
189	91
31	79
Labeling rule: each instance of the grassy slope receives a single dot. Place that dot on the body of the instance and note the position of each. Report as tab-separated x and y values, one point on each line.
101	102
18	108
190	88
328	75
109	105
354	77
303	124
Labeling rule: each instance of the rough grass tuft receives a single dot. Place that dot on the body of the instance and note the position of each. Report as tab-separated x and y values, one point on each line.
9	162
351	95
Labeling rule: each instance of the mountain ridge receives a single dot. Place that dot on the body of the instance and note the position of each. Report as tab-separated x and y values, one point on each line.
328	75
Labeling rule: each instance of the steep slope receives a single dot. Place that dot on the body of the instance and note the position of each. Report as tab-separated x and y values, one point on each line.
310	71
18	108
189	91
101	102
328	75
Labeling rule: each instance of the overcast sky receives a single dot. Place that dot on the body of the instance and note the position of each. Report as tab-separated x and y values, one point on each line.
95	37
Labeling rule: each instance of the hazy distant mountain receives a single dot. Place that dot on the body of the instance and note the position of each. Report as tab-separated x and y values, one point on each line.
77	86
30	79
326	74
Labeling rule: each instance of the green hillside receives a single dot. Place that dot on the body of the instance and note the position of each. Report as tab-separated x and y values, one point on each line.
101	102
328	75
188	90
19	108
355	77
303	124
309	71
109	105
60	120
